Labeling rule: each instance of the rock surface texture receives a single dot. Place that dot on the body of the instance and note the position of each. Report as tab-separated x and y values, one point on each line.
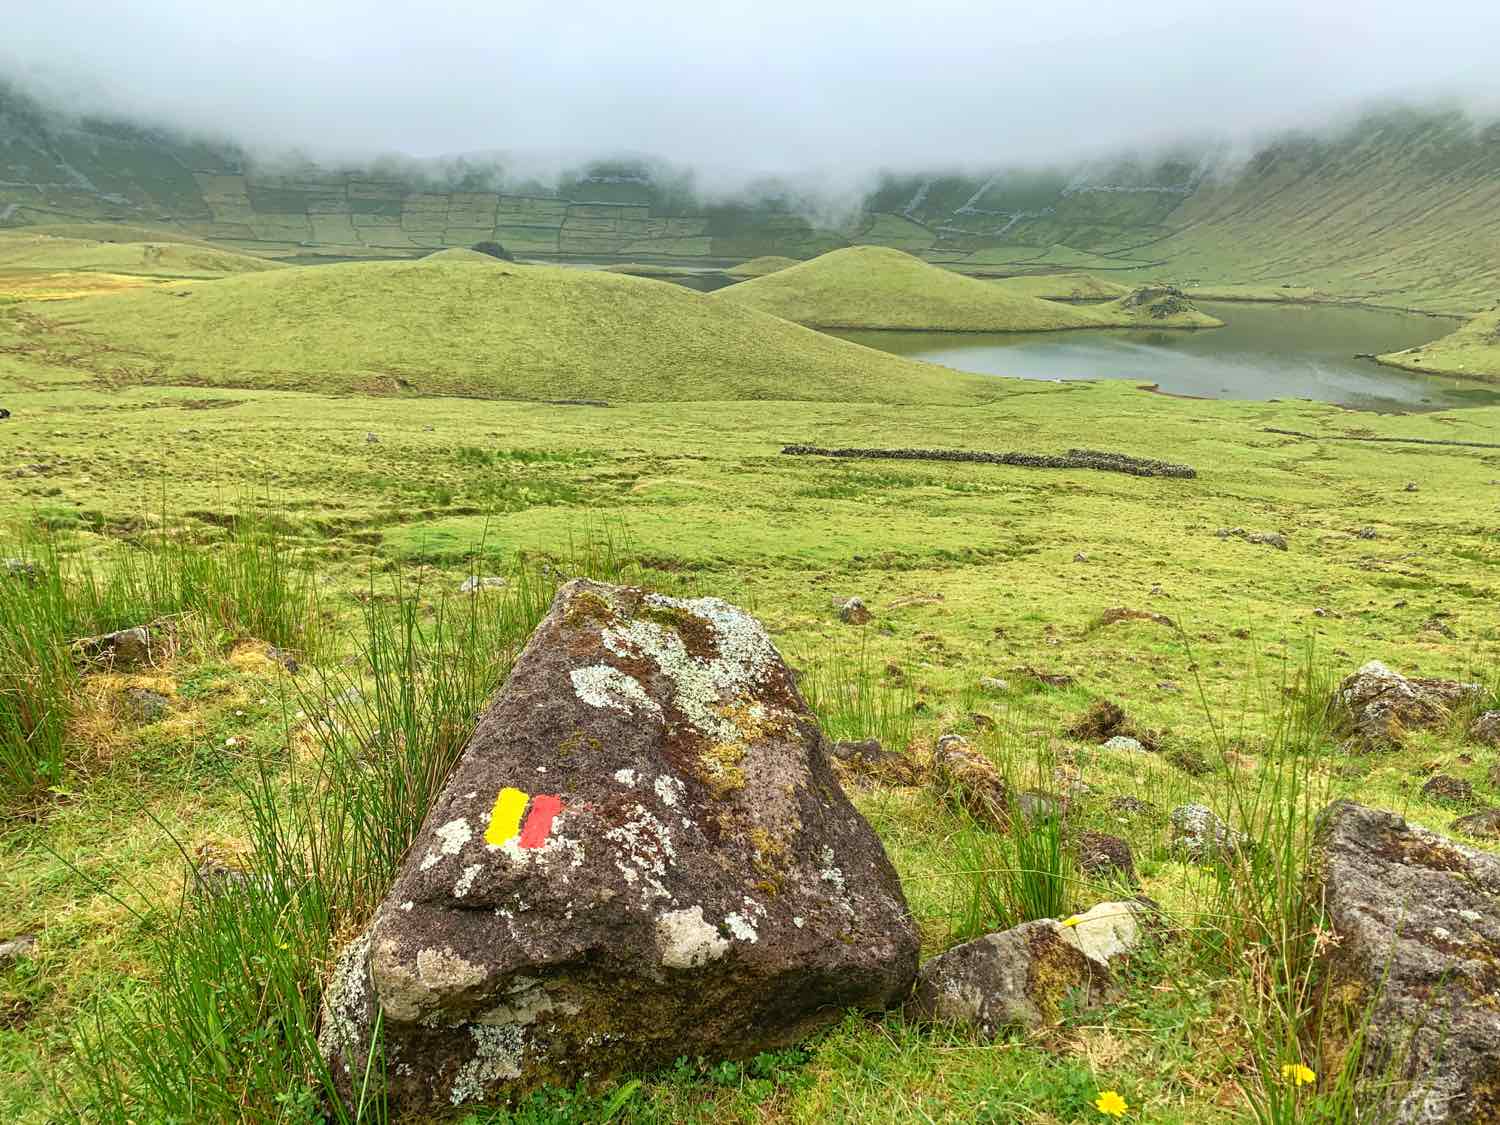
642	854
1416	928
1020	977
1380	705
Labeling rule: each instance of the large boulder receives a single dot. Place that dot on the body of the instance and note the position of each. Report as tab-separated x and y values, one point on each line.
1415	922
642	854
1378	704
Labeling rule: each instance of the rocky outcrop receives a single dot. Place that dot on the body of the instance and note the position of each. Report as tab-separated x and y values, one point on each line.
1415	922
1486	728
1379	705
1021	977
642	854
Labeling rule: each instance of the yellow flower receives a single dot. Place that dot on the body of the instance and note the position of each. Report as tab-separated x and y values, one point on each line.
1110	1104
1072	921
1297	1074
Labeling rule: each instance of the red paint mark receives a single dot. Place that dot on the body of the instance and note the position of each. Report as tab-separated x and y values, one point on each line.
538	826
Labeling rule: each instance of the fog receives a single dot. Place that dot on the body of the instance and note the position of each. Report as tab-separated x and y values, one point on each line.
829	90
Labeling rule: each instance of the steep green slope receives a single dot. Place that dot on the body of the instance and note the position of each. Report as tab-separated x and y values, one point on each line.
1473	352
876	287
481	327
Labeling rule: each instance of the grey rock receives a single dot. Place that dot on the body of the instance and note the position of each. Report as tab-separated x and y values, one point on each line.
16	948
1103	856
1202	836
1022	977
1268	538
1127	805
23	569
1368	533
1486	728
1416	928
125	648
1485	823
642	854
1034	805
1446	789
475	583
1125	743
994	684
1412	486
1439	626
372	438
144	705
1378	705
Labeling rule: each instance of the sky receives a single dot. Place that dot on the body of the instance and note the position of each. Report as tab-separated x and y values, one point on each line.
757	86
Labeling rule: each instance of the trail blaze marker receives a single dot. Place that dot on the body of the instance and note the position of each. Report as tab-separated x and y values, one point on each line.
505	818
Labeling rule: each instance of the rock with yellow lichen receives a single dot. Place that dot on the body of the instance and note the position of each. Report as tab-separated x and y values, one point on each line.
642	854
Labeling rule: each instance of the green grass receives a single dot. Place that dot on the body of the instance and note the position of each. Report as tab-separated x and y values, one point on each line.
1064	287
970	570
23	251
874	287
759	267
474	326
1473	352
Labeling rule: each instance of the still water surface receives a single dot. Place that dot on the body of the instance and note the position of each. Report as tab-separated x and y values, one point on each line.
1263	352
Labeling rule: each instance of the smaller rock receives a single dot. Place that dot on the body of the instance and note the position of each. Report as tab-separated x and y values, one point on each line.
1128	805
476	582
1412	486
969	781
1448	790
283	657
16	948
125	648
217	872
1268	538
1485	822
1378	704
1367	533
1124	743
1171	687
869	759
1080	557
1103	856
144	705
997	685
22	569
372	438
854	612
981	721
1439	626
868	749
1022	977
1201	836
1486	728
1034	805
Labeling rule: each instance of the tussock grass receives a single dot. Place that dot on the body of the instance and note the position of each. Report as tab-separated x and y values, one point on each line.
248	582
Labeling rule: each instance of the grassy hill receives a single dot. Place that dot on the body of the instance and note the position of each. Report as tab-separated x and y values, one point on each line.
1063	287
1473	352
759	267
875	287
25	251
466	324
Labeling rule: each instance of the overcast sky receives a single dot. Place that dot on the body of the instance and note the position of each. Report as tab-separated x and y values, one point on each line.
774	85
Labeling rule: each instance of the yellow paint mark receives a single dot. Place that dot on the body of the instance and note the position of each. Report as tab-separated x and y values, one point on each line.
505	817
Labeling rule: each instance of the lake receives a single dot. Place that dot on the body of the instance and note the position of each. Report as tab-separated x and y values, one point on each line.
1265	351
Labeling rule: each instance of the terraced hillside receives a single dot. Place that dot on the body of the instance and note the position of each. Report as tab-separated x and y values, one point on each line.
1402	208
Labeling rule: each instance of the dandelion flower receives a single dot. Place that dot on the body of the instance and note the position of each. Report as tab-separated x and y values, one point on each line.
1298	1074
1110	1104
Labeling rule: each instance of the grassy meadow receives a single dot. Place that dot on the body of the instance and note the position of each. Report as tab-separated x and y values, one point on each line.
210	465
